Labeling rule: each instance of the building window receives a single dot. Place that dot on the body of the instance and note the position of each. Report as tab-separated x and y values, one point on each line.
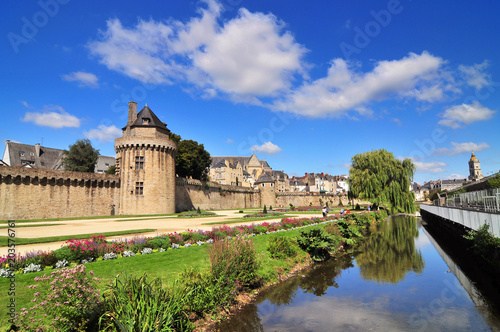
32	154
139	162
139	188
21	153
145	121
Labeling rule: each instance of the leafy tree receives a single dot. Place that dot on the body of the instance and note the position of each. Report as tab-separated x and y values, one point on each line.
379	177
111	170
192	159
81	157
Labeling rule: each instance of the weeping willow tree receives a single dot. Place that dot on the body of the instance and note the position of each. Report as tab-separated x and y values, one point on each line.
379	177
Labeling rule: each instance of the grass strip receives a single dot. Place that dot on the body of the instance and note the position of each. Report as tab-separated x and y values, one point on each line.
39	225
92	217
21	241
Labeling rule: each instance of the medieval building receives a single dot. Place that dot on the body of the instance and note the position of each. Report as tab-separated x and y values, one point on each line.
145	163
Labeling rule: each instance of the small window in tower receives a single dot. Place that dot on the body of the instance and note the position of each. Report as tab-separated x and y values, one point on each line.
145	121
139	162
139	188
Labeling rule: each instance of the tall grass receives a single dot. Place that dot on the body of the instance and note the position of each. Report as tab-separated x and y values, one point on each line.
138	304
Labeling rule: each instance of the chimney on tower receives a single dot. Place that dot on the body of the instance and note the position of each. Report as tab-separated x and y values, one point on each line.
132	112
37	150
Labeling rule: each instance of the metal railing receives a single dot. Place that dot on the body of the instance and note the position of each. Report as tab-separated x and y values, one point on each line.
484	200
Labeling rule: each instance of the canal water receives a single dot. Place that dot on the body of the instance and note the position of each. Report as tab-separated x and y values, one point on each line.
400	280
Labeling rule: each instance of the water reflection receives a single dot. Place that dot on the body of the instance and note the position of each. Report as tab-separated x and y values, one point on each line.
387	289
390	253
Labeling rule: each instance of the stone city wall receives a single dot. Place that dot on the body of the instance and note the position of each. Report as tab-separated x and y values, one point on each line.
191	194
30	193
306	198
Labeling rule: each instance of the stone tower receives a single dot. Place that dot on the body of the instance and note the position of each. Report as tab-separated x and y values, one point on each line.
145	162
474	168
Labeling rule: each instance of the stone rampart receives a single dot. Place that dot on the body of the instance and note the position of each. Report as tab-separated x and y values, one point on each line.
306	198
30	193
191	194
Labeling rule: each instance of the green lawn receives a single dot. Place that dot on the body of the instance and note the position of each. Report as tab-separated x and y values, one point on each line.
94	217
21	241
166	266
38	225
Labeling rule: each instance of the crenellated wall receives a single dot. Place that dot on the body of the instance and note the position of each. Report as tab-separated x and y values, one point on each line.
305	199
30	193
191	194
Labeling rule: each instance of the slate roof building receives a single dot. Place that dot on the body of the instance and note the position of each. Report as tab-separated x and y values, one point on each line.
37	156
251	169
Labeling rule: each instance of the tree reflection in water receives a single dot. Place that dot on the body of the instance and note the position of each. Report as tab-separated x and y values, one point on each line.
386	255
390	253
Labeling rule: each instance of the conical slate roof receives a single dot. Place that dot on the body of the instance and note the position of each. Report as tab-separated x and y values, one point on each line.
146	118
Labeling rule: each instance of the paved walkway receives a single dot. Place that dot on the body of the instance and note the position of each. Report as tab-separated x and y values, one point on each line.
162	225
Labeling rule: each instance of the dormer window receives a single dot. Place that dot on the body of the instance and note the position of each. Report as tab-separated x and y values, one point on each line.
21	153
146	121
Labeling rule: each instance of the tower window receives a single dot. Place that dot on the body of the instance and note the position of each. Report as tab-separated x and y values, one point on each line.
139	188
139	162
145	121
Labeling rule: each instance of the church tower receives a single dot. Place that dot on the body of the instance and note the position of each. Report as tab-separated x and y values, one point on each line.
145	162
474	168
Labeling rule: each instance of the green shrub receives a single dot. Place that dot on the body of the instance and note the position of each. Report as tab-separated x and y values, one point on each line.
265	210
64	253
260	229
198	210
483	242
204	293
234	262
137	304
195	237
138	246
158	242
357	207
318	243
281	246
241	211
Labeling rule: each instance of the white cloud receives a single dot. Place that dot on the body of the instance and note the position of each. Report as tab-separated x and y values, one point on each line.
266	148
247	56
229	141
25	103
433	166
459	148
252	58
457	116
103	133
53	116
83	79
344	89
475	76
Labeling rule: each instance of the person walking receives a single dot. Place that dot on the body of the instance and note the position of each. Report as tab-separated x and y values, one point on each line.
325	211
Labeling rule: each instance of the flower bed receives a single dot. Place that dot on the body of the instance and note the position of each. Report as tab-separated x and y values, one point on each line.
264	215
98	248
194	214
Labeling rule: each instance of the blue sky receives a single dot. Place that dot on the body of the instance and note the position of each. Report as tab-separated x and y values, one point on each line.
304	84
